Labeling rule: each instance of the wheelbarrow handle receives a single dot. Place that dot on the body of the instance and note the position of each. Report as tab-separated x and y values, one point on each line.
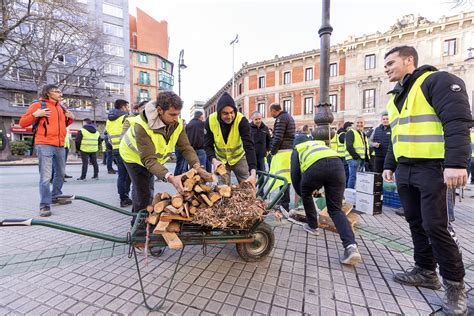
16	222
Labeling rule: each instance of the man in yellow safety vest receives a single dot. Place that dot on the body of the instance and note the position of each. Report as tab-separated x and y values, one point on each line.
357	150
88	141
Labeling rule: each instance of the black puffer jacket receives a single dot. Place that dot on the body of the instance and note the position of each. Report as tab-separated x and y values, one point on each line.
195	132
261	139
382	135
283	133
447	95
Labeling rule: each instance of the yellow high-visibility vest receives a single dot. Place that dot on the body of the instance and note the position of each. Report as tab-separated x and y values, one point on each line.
280	166
232	151
417	131
338	146
90	141
114	129
358	144
312	151
163	149
67	143
472	147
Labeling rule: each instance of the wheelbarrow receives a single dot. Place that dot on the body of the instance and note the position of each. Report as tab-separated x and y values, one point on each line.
253	244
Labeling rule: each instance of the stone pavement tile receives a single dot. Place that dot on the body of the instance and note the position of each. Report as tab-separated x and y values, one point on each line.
92	297
327	311
225	287
265	297
262	307
341	296
28	306
220	295
66	304
295	305
247	303
233	299
360	311
77	308
377	312
91	310
238	290
277	311
128	308
39	310
177	309
56	300
200	303
251	293
243	312
206	293
227	309
191	311
213	306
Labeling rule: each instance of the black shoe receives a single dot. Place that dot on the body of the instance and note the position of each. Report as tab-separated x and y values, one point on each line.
418	277
112	172
455	298
67	176
400	213
95	178
81	179
125	202
45	211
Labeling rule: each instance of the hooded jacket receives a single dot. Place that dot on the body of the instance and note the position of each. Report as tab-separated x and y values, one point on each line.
195	132
446	93
115	114
244	131
261	139
90	128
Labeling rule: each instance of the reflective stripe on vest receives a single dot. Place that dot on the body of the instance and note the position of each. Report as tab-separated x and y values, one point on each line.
337	146
280	166
358	144
232	151
163	150
312	151
90	141
416	131
114	128
472	147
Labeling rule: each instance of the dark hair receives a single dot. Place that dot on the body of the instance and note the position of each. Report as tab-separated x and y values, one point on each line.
198	114
119	103
141	104
168	99
404	51
347	124
305	128
45	90
275	107
88	121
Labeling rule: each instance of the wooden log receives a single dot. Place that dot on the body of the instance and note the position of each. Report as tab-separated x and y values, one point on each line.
206	200
170	217
198	189
221	170
172	240
224	190
189	174
161	227
197	178
205	188
192	209
156	199
160	206
173	210
214	196
195	203
177	200
149	208
153	219
188	185
188	196
173	227
165	196
186	209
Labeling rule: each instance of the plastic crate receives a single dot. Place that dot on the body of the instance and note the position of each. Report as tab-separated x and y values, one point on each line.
391	199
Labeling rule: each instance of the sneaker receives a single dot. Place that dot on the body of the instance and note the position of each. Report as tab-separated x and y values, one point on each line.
81	179
45	211
112	172
418	277
95	178
64	196
67	176
351	255
57	201
312	231
455	298
125	202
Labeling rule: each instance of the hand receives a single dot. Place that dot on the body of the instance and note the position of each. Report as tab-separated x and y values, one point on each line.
278	216
206	176
42	113
388	175
176	182
70	115
376	145
216	163
252	179
455	178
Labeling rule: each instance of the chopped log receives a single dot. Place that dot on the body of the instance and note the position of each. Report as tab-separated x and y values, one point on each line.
156	199
170	217
198	189
224	190
149	208
173	210
160	206
206	200
192	209
188	196
221	170
197	178
205	188
195	202
165	196
161	227
189	174
214	197
177	200
172	240
186	209
153	219
173	227
188	185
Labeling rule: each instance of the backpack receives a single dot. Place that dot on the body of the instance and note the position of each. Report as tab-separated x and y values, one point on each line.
35	125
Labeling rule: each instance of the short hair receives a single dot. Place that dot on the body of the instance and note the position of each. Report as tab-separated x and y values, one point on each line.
347	125
198	114
275	107
45	90
120	103
305	128
384	113
168	99
255	113
404	51
87	121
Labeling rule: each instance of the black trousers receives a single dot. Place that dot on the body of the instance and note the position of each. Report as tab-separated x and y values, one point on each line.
261	164
378	164
328	173
123	179
142	186
86	157
423	196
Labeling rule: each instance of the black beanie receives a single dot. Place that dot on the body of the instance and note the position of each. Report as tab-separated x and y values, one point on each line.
225	100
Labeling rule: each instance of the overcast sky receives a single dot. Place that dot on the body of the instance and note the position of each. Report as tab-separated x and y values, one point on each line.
204	29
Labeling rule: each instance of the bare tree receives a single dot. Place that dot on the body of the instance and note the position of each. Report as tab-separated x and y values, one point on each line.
462	3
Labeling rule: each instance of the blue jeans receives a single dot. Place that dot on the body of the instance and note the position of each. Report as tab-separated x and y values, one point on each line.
354	167
181	163
50	157
201	153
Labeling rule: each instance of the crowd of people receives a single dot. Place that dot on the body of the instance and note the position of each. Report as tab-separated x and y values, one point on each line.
423	143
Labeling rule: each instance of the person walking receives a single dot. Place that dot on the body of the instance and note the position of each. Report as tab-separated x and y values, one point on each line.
430	119
261	139
380	141
114	127
88	141
357	150
227	141
195	131
313	166
281	147
50	119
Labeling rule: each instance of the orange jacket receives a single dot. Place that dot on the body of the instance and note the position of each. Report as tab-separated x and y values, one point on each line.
50	131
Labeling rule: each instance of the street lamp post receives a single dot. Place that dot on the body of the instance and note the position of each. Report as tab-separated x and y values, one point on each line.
93	80
234	41
323	116
181	65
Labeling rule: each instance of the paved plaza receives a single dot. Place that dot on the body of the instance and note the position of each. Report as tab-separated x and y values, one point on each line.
48	271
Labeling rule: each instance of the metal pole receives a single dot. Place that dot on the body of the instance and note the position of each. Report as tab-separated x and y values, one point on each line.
179	81
236	40
323	116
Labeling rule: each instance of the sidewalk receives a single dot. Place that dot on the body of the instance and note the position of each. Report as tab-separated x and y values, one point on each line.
47	271
33	161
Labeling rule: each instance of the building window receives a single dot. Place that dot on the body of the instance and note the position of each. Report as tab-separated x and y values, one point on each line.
22	100
370	61
78	104
112	29
144	77
287	77
308	105
143	95
287	106
114	50
114	87
261	108
333	102
308	74
165	80
109	105
22	74
333	70
112	10
261	82
164	64
369	99
450	47
143	58
114	69
240	88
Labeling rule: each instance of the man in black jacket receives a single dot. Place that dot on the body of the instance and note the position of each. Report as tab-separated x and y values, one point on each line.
380	140
430	119
281	147
195	131
261	139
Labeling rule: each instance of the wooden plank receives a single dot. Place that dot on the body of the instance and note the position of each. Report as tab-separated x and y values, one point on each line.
170	217
161	227
172	240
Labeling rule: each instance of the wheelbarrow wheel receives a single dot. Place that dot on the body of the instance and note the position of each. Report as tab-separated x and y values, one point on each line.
260	247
